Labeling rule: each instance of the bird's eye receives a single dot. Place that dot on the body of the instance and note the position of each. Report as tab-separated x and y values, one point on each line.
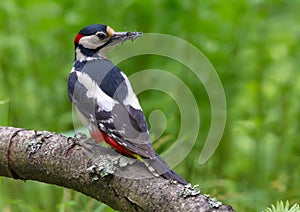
101	35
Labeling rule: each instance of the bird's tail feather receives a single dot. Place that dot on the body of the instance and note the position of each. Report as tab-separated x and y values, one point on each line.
159	168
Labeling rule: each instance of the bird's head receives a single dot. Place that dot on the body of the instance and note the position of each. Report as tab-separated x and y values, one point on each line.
96	40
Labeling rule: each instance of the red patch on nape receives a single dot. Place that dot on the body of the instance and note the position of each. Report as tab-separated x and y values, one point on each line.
77	38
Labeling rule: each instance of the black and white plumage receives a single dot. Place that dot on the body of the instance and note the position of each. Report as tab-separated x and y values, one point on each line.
105	101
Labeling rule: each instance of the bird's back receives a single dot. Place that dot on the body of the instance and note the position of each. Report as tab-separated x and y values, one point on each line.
100	91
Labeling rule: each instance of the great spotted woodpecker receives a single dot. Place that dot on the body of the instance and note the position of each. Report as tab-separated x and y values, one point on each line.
105	101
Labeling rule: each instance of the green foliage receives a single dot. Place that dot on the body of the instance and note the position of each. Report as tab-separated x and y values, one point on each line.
254	46
4	112
281	207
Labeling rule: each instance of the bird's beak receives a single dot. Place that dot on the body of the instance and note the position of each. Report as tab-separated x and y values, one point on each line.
120	37
123	36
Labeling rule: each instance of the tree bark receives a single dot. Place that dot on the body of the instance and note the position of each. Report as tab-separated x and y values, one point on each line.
82	165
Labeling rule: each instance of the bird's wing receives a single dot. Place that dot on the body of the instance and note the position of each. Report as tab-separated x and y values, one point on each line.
103	94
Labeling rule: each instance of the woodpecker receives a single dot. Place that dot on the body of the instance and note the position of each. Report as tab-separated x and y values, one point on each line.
105	101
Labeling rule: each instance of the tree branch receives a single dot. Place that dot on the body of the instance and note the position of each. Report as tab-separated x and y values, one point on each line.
123	184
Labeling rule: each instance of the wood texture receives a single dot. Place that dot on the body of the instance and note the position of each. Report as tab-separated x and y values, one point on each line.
82	165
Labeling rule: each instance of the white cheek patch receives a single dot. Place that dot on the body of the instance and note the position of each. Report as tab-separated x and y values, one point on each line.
93	91
131	98
90	42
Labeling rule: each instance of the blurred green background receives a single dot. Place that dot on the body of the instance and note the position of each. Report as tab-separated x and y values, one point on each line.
253	45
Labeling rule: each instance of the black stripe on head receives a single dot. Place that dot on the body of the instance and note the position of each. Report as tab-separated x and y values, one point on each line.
92	29
88	52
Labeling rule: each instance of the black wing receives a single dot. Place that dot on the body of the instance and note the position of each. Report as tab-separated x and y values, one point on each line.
111	109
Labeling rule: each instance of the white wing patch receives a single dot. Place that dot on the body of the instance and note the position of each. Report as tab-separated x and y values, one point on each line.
131	98
93	91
